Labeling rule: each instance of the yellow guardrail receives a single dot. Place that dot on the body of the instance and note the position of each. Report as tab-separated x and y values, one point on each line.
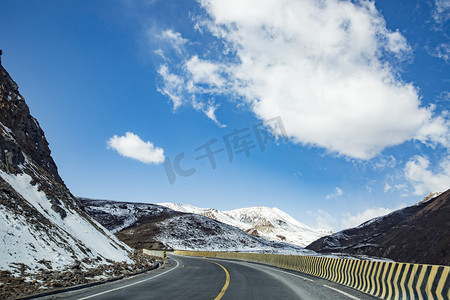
385	280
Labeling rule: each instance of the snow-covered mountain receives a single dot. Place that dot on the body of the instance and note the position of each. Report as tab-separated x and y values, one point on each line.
41	224
416	234
269	223
153	226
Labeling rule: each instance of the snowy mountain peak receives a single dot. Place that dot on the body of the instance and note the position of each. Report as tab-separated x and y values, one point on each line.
265	216
269	223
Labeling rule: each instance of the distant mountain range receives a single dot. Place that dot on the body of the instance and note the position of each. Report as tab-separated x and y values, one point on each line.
269	223
419	233
415	234
154	226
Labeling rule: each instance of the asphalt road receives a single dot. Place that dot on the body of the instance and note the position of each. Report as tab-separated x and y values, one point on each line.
198	278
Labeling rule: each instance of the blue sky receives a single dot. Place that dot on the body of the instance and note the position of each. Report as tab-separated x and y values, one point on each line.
361	90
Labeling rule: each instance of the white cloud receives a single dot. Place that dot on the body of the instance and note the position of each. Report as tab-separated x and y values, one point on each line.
441	13
326	221
161	54
424	179
402	187
369	185
350	221
204	72
322	66
443	51
134	147
180	89
211	113
387	187
381	163
173	86
338	192
397	43
297	174
323	220
175	39
209	109
435	131
444	96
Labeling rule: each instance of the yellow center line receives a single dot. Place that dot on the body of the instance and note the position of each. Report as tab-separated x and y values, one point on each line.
227	281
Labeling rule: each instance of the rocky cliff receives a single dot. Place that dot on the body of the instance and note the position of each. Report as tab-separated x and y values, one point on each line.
42	227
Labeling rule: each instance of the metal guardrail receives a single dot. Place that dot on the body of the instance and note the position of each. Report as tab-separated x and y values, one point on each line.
385	280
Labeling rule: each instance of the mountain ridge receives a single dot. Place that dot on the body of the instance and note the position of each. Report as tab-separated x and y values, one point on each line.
152	226
416	234
269	223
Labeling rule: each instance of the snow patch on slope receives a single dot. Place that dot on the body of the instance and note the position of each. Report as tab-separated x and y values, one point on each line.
116	216
430	196
196	232
25	244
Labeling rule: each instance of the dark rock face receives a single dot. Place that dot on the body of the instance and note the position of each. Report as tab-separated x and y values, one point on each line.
28	136
26	163
415	234
25	148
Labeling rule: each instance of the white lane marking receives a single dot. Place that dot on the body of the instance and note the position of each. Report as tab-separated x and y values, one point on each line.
343	293
304	278
131	284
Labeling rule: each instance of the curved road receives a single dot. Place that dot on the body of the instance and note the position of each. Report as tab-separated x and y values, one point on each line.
198	278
